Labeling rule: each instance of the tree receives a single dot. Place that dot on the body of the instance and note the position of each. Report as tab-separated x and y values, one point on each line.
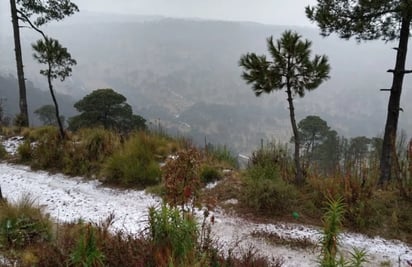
107	108
43	11
370	20
292	69
59	62
47	115
312	132
24	115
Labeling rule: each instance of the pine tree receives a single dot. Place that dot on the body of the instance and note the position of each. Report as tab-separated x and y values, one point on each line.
292	69
34	14
59	62
370	20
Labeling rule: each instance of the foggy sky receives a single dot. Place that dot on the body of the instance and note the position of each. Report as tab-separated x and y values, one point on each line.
280	12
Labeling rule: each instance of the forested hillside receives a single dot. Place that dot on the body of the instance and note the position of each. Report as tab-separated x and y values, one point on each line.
181	72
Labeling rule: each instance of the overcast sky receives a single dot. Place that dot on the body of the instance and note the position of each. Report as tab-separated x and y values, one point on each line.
281	12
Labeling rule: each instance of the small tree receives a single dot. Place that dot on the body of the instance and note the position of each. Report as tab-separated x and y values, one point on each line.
313	131
47	115
371	20
59	62
107	108
291	69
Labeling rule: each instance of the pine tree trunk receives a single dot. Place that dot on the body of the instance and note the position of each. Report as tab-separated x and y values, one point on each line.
56	105
19	63
299	175
389	139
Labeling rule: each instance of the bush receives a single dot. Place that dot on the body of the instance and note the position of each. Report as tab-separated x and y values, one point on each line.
24	151
48	151
209	174
86	252
181	178
265	191
23	224
88	149
3	152
134	164
174	236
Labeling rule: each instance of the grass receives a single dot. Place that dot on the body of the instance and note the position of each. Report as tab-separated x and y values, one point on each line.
172	240
23	224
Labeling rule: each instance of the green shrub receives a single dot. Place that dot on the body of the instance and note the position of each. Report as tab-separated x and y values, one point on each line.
209	174
85	153
23	224
24	151
265	191
48	150
86	253
3	152
134	164
330	255
174	236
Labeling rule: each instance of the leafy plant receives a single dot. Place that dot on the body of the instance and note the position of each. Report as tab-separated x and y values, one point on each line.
23	224
329	241
209	174
86	253
3	152
181	178
264	190
174	235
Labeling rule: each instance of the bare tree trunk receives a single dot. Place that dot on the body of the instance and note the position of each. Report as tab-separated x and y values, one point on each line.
299	179
19	63
389	139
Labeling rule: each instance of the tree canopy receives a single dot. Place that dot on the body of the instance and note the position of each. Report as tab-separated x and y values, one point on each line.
106	108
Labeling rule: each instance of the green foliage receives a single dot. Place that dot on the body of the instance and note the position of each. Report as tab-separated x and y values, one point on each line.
181	178
59	64
292	69
266	192
47	153
24	151
45	11
86	253
173	234
107	108
59	61
209	174
3	152
87	150
47	115
23	224
274	154
133	164
366	20
329	241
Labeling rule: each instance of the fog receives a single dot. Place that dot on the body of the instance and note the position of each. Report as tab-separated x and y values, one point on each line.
278	12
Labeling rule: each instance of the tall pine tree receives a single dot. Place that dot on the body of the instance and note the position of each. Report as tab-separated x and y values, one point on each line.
370	20
291	69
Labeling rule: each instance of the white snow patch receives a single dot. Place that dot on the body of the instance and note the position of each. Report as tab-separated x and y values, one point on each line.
11	144
68	199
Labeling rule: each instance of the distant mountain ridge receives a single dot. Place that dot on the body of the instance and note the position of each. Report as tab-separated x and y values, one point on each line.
171	69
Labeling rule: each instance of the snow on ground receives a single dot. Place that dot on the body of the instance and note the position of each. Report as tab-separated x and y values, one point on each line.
68	199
